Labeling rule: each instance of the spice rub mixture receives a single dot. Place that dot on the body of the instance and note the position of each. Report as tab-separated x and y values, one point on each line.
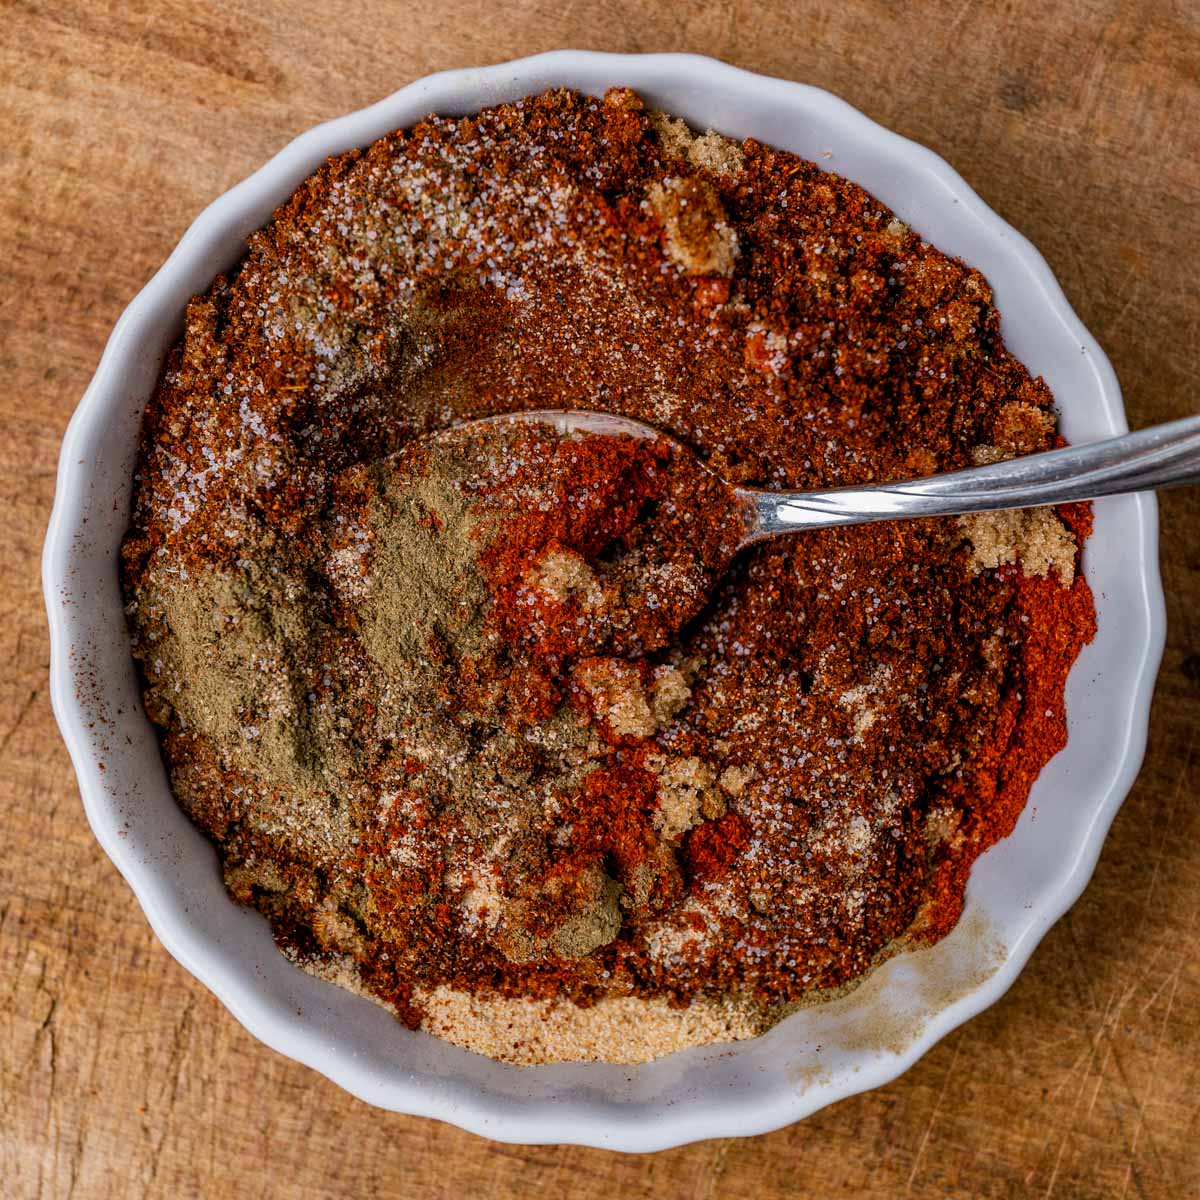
482	723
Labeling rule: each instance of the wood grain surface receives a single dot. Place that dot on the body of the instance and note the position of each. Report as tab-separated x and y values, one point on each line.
120	1076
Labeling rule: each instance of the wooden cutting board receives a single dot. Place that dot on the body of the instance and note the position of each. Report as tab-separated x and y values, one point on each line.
120	1076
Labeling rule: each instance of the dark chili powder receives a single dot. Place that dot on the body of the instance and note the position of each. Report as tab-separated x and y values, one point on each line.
491	718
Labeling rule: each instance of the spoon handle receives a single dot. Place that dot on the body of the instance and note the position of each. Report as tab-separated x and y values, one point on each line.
1159	457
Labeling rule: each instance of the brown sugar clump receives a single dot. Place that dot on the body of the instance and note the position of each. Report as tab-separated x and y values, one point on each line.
1034	537
708	151
698	237
616	695
1022	428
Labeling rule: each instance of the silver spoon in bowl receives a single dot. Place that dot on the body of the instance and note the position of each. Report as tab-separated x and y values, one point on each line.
1161	456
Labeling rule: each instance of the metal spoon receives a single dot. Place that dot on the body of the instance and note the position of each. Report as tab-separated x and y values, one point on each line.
1162	456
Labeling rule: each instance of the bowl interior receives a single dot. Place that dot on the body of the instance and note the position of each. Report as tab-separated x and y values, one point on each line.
1017	889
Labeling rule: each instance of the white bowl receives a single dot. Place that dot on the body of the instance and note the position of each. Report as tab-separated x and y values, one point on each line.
1017	890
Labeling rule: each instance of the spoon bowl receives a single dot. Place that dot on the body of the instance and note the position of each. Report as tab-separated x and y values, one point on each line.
1161	456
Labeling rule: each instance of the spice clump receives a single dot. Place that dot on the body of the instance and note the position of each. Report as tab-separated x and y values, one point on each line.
489	721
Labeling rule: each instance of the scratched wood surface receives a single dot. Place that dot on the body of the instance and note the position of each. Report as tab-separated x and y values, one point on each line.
119	1075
